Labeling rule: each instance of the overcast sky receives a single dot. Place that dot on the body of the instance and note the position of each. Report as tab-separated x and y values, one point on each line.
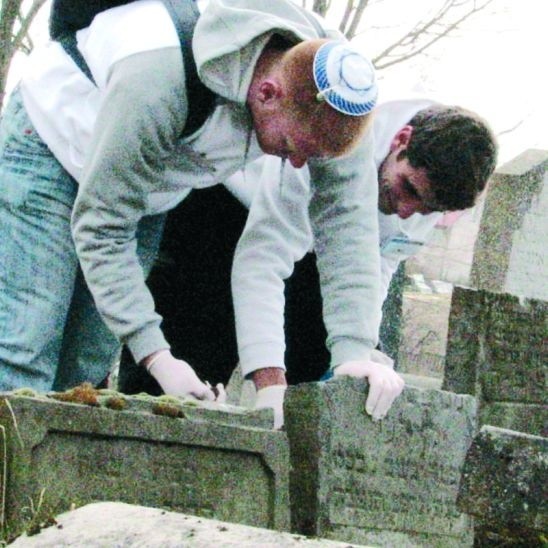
496	65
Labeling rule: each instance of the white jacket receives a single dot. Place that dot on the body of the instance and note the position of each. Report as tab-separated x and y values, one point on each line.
278	228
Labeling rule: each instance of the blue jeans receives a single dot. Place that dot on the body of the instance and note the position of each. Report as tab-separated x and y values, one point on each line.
51	335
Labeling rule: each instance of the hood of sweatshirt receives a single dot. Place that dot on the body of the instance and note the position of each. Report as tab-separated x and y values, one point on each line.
231	34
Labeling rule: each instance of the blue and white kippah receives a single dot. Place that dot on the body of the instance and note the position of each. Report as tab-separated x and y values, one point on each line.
345	78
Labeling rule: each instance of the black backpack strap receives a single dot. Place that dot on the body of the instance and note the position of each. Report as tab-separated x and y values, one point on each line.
68	41
200	99
67	17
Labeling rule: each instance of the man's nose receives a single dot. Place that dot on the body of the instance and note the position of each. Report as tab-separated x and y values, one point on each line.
297	160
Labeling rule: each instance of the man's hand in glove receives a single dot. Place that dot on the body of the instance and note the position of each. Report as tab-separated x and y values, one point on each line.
177	378
273	397
385	385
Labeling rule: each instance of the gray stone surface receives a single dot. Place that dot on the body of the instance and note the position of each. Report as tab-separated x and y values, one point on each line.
127	526
421	381
390	331
240	391
496	350
424	333
523	417
204	462
388	483
510	254
505	487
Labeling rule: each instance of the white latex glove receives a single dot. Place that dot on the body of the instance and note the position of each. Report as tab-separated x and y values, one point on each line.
385	385
273	397
177	378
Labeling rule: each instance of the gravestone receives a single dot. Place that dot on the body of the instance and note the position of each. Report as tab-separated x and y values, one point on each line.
210	460
115	524
390	330
387	483
497	351
504	487
510	254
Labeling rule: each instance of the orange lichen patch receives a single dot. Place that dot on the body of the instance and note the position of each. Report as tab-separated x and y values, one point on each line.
168	410
84	394
116	402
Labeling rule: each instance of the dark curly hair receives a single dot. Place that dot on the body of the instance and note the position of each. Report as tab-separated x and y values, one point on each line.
458	150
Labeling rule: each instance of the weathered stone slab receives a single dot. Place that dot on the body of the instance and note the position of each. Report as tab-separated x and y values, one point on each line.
505	487
125	526
530	418
388	483
497	351
510	254
421	381
152	452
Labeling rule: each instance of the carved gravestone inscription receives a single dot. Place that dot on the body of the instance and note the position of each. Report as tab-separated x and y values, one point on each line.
497	351
387	483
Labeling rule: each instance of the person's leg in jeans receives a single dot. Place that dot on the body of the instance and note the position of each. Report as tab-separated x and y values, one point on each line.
89	348
38	262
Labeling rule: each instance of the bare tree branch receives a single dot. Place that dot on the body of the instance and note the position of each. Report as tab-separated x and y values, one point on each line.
346	17
14	34
424	34
321	6
23	32
510	129
8	16
351	24
427	32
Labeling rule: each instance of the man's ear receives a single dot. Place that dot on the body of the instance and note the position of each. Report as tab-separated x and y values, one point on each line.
401	139
269	92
